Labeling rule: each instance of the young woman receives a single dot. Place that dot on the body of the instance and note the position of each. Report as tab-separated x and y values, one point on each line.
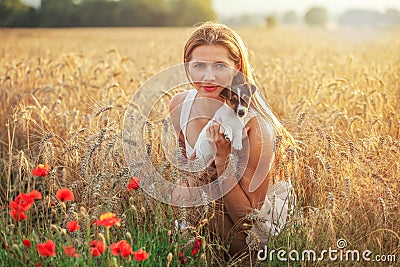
257	202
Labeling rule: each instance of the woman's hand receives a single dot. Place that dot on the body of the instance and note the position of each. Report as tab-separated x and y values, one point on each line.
223	146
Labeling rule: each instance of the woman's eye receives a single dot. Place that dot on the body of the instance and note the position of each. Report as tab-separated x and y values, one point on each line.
220	65
199	65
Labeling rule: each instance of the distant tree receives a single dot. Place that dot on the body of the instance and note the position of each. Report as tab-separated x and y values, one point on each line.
360	17
271	21
142	12
58	13
317	16
73	13
392	16
11	12
26	19
190	12
290	17
370	17
95	13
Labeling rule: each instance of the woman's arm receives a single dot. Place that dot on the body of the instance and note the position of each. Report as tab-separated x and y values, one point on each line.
250	191
175	107
181	193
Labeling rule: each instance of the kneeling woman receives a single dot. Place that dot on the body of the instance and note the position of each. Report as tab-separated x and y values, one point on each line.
256	195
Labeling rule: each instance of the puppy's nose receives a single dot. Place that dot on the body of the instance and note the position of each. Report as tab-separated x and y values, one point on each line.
240	112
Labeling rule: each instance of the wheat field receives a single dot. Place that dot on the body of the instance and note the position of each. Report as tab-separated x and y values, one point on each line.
64	93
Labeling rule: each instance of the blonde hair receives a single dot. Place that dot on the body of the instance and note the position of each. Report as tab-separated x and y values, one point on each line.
212	33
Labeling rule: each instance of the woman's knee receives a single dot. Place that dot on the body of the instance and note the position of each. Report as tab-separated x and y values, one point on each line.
184	191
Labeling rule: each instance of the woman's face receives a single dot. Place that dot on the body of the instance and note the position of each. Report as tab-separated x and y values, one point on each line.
211	69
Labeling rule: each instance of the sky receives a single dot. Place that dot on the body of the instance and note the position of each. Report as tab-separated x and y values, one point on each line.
228	8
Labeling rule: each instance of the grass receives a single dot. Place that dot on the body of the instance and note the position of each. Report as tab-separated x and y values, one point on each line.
64	93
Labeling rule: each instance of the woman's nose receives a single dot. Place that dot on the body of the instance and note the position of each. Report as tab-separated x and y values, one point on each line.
209	74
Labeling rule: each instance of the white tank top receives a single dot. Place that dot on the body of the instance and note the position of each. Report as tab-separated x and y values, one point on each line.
184	119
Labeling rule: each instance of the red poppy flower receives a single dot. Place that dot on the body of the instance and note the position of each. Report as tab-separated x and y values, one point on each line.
121	248
22	202
35	194
17	208
26	242
38	264
108	219
65	194
196	246
181	258
41	170
47	249
97	247
18	215
134	183
140	255
73	226
70	251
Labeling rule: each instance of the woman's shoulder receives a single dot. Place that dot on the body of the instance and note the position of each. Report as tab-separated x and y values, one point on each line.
177	100
262	127
175	108
250	115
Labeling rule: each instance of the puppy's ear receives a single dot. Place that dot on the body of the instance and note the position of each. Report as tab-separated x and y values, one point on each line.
253	89
226	93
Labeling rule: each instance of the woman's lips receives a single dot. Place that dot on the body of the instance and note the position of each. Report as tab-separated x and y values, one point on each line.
210	88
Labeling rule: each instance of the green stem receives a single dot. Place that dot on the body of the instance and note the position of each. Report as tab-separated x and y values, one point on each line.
108	244
88	240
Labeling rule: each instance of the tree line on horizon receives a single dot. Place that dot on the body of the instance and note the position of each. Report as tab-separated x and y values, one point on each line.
101	13
97	13
319	16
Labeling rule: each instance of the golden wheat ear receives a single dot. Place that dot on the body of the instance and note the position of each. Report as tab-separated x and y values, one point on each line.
226	93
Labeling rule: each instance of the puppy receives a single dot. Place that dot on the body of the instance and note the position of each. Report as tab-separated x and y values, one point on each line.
239	98
231	116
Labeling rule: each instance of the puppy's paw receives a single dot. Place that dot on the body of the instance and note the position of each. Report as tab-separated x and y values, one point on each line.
238	146
237	140
237	143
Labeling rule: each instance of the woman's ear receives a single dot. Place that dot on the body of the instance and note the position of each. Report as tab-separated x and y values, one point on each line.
238	67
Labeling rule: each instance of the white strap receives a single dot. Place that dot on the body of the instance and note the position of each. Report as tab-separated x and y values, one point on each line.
185	112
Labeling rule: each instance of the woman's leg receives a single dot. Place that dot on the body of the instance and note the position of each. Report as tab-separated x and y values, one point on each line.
229	233
184	193
238	238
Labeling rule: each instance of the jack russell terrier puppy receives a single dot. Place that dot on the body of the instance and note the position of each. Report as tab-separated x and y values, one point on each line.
231	116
